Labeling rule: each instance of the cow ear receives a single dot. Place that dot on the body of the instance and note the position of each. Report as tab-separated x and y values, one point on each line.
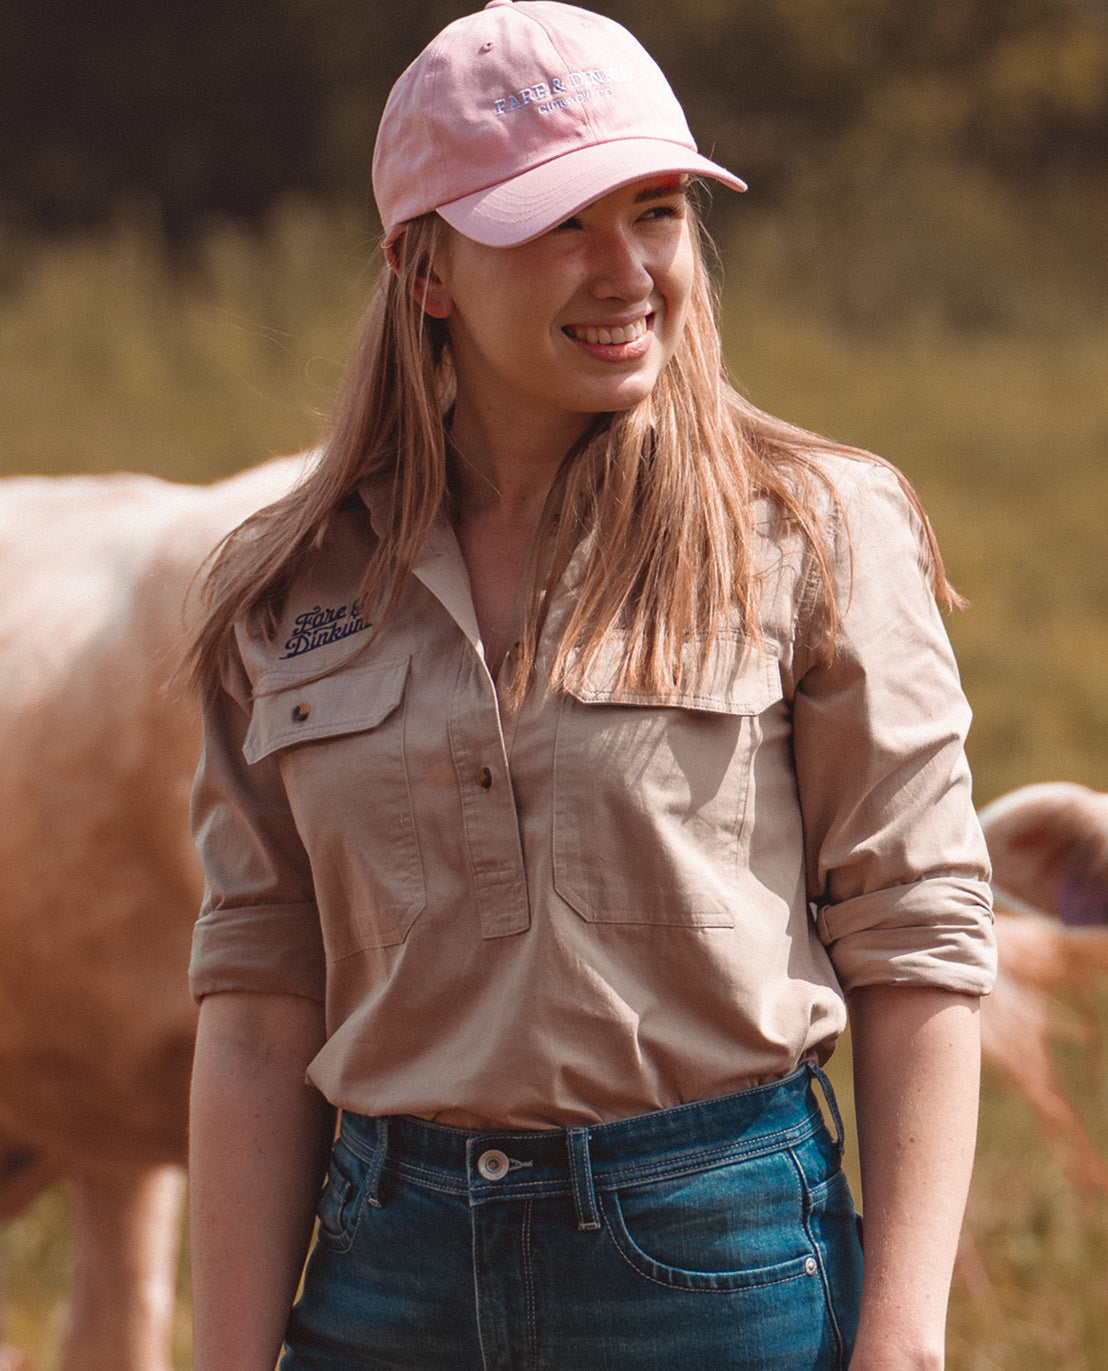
1082	896
1049	845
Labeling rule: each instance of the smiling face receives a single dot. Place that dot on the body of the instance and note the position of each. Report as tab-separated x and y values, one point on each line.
577	322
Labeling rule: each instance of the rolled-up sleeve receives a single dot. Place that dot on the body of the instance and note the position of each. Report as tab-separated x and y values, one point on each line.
258	928
897	867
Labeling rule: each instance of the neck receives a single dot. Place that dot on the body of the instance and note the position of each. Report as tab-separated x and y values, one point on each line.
504	474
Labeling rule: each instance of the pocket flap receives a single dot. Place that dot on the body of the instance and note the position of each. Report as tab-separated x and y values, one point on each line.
351	701
736	679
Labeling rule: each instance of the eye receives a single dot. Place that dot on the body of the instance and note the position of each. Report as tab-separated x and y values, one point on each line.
669	209
571	223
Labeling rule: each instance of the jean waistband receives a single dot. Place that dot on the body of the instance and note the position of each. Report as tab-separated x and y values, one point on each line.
504	1164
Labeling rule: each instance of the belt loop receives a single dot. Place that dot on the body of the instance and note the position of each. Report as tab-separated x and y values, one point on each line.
377	1163
832	1104
580	1175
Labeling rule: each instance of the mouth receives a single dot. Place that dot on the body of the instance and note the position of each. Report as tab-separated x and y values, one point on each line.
610	336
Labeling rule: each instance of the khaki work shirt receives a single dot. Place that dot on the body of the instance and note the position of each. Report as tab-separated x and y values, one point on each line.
599	903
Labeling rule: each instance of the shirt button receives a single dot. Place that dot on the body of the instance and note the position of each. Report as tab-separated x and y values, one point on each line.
484	778
810	1266
301	711
492	1164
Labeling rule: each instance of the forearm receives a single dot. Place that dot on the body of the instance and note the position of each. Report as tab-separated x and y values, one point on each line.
258	1144
916	1080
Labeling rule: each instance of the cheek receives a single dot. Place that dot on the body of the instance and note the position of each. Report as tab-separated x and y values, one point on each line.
501	314
683	275
677	314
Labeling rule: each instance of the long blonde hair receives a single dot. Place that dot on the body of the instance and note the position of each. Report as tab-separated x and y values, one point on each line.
669	487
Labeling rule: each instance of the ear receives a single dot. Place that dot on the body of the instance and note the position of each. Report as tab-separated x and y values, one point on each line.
431	292
426	286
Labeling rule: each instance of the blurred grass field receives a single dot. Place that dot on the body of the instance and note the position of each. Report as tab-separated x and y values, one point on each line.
116	356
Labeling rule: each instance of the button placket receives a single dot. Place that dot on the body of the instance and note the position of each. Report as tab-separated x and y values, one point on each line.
491	823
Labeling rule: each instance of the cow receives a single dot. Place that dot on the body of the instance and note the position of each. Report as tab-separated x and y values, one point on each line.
101	886
1049	848
99	881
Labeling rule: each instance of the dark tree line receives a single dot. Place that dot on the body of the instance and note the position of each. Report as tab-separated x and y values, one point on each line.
221	106
197	106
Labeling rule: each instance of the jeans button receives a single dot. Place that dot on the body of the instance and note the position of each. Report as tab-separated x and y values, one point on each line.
492	1164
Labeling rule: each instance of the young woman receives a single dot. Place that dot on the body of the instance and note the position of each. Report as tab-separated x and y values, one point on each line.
581	745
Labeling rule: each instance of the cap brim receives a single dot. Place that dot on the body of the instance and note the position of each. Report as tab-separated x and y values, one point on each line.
533	202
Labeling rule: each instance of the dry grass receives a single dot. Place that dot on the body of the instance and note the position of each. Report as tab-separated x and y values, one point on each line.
113	360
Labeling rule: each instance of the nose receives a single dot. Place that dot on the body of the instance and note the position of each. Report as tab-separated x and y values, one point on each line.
619	268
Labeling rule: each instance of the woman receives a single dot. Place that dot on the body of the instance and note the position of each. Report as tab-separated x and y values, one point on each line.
580	743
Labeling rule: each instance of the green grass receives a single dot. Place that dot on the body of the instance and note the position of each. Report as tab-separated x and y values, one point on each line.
117	358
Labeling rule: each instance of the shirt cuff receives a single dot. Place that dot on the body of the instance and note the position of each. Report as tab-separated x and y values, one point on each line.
937	932
265	949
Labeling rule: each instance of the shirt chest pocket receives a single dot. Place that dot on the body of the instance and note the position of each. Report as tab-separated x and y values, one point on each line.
340	744
651	791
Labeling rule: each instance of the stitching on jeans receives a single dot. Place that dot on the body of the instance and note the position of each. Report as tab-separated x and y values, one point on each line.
428	1180
718	1154
606	1177
703	1289
618	1231
828	1303
434	1177
610	1175
529	1288
478	1314
581	1180
638	1259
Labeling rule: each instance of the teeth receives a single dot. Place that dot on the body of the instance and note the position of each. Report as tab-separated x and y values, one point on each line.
627	334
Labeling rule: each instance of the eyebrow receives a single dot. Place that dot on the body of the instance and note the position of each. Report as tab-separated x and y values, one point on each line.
661	191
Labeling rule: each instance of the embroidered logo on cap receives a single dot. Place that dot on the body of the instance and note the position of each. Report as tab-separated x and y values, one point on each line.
575	87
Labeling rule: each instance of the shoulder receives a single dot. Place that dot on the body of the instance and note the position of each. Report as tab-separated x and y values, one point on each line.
866	511
855	535
832	493
853	488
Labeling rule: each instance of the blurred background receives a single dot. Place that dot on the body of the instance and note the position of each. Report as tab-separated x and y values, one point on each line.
920	267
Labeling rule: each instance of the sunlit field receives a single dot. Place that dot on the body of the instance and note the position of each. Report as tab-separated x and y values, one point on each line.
117	357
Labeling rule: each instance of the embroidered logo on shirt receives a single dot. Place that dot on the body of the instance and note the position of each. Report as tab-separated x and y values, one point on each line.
321	626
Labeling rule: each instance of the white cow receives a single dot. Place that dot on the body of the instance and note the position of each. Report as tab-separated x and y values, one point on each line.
99	883
1049	845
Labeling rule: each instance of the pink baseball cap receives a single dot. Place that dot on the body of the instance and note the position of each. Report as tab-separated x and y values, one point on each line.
514	118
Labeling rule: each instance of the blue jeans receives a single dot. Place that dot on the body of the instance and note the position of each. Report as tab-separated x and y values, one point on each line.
713	1235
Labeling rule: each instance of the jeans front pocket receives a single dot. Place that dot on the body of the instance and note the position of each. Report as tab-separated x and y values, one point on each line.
736	1226
343	1198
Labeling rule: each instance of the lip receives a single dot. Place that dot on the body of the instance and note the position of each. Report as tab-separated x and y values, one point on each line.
613	340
